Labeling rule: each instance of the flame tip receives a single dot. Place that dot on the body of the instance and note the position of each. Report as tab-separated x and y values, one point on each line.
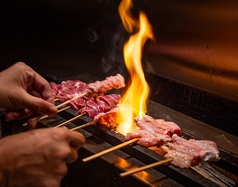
137	92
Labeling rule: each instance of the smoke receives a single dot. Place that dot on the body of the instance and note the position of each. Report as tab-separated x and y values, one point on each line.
106	36
113	60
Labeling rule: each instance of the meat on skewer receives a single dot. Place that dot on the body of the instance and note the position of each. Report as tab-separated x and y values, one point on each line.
104	103
100	87
185	153
165	135
76	92
71	88
191	152
110	118
89	104
153	132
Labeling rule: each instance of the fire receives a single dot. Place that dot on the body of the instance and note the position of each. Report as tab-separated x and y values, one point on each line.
137	92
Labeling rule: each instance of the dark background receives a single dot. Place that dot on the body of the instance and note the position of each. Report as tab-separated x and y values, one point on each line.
196	42
62	38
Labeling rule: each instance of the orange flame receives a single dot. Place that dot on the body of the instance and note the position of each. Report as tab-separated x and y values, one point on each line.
138	91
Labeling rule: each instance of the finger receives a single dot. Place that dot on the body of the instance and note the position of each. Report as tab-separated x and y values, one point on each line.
38	105
41	86
34	93
32	124
21	114
76	140
60	170
73	156
17	115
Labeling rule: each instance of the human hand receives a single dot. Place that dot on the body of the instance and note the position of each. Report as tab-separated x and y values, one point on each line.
38	157
23	92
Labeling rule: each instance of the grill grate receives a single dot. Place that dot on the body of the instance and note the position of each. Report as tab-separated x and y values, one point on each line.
208	108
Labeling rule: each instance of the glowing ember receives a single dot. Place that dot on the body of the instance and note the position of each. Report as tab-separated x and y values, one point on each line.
138	90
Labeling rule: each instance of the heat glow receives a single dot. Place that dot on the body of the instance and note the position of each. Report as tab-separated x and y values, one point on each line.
137	92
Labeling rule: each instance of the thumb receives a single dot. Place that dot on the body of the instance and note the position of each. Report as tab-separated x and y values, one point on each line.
39	105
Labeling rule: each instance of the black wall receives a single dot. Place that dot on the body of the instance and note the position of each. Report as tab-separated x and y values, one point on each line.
62	38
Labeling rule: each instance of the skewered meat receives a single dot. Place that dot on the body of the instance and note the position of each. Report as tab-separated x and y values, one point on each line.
165	135
68	89
110	119
185	153
71	88
160	126
100	87
88	104
191	152
92	106
153	131
147	139
103	104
